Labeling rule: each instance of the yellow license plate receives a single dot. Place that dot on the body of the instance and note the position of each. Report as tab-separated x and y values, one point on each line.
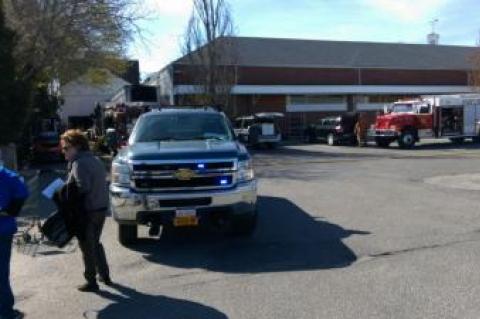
185	218
185	221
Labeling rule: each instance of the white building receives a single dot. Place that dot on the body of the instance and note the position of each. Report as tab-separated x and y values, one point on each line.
81	97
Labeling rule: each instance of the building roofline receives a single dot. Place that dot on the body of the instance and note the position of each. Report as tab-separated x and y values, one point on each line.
347	41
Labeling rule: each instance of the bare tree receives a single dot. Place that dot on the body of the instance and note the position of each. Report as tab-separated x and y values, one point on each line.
62	39
474	77
210	54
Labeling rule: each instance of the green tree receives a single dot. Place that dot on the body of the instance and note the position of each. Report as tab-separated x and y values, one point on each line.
64	39
13	102
55	41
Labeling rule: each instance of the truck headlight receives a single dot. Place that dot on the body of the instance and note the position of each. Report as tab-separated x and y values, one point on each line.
245	171
120	174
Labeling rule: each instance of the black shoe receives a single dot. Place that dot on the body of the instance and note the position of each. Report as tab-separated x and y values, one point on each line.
106	281
18	314
15	315
89	287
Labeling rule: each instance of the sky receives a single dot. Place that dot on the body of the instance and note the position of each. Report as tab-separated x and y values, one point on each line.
406	21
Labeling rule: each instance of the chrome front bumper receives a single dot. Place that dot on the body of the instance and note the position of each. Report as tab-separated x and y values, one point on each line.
382	133
126	205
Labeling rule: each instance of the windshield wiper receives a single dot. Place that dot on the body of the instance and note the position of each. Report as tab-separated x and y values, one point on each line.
216	138
163	139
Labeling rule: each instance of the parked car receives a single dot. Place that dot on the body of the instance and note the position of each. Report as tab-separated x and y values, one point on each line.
333	130
260	129
46	147
183	168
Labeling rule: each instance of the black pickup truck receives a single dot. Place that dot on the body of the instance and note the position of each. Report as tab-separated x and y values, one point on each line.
333	130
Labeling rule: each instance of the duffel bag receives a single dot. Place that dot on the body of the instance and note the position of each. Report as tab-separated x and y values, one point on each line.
55	230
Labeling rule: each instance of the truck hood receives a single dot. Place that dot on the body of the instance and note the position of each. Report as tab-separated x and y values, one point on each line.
185	150
385	121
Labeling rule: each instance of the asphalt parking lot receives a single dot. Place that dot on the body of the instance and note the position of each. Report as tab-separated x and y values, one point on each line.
344	232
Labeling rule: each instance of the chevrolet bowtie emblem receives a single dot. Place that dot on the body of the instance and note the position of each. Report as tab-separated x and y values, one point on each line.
184	174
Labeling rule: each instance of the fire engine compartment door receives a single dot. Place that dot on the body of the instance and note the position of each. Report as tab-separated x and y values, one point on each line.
477	119
470	120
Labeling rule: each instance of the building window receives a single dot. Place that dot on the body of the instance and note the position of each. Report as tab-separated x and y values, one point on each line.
316	103
387	98
317	99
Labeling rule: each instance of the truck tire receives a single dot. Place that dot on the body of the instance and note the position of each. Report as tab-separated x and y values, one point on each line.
271	146
383	142
407	139
331	139
244	226
310	136
127	234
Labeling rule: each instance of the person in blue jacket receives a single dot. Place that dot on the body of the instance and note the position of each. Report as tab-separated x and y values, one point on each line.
13	193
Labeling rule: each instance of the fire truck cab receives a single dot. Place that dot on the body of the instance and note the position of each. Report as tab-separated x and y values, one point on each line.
456	117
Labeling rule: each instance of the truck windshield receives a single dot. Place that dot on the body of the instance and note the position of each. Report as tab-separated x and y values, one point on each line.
182	127
403	108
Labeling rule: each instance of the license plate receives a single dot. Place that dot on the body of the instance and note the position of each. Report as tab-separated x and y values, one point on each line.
185	217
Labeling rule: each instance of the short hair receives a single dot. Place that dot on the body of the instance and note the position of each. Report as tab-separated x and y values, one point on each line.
77	139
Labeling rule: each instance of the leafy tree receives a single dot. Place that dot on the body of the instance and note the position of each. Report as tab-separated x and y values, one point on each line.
54	41
63	39
13	103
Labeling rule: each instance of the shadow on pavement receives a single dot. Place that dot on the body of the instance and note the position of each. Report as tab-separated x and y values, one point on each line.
130	303
287	239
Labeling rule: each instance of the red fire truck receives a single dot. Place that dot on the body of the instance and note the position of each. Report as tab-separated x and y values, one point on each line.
454	117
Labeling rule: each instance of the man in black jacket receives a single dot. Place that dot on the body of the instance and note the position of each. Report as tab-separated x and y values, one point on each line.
88	174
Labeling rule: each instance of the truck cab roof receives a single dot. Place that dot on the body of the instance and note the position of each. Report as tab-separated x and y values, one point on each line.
184	109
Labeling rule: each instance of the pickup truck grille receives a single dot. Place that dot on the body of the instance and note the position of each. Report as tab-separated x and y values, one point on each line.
164	176
192	166
175	183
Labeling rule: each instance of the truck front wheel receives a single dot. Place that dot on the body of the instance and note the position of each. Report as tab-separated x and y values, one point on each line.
127	234
407	139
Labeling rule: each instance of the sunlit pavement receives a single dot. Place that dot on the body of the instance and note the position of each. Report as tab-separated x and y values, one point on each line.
343	233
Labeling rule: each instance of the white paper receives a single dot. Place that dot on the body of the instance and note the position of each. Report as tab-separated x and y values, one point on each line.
50	190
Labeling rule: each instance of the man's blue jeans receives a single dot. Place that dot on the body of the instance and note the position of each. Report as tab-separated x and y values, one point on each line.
6	295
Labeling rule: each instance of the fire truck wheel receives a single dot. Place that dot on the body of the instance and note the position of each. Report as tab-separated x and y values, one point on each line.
407	139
